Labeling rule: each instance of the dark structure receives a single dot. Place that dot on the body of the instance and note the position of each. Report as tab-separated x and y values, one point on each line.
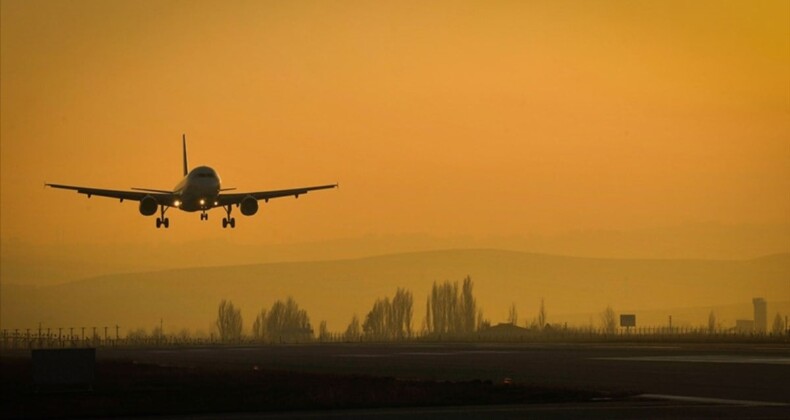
760	315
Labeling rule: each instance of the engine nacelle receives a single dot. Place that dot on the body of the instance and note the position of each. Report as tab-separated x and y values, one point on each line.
249	206
148	205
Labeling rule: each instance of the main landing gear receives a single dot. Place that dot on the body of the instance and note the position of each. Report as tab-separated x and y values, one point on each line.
228	220
162	220
204	215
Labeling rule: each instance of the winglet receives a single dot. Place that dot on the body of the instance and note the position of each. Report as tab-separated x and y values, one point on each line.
186	168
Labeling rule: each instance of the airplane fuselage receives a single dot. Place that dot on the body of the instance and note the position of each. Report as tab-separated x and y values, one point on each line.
198	191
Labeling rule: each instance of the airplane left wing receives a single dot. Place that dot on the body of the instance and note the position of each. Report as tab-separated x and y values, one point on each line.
236	198
161	197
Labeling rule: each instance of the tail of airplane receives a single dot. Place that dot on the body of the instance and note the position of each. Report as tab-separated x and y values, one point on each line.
186	168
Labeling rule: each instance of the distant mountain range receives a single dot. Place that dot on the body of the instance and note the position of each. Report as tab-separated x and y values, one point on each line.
28	263
575	290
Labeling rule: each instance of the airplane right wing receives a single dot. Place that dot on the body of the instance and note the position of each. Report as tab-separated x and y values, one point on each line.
236	198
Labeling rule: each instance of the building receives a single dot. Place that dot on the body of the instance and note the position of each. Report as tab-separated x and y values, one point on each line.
760	315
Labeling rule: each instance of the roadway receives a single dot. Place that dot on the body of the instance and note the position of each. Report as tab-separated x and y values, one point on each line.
700	380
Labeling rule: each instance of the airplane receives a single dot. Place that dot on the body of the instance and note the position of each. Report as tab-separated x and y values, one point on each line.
200	190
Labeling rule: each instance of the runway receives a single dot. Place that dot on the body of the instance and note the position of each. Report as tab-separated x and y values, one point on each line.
728	373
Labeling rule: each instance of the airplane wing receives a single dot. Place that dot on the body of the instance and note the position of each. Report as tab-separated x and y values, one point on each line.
161	197
236	198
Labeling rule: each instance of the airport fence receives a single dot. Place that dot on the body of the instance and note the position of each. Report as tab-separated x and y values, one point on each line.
110	338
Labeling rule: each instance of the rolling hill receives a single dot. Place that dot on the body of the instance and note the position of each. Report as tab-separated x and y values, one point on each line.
574	289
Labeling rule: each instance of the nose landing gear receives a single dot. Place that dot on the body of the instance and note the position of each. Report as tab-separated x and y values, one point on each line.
228	220
204	216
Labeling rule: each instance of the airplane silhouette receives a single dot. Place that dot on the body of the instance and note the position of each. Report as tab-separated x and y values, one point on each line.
200	190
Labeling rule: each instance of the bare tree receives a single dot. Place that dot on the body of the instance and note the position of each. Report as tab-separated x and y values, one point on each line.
401	314
228	321
184	335
778	327
137	335
608	321
711	322
285	321
468	306
542	315
353	332
390	319
512	316
259	325
158	334
377	322
323	332
450	310
482	323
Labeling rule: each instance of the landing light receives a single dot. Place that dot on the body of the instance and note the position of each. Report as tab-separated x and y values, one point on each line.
216	203
176	203
202	202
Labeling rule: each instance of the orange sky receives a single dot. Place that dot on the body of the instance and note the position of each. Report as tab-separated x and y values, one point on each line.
448	118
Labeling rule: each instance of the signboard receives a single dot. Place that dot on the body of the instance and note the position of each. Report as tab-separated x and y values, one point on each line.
628	320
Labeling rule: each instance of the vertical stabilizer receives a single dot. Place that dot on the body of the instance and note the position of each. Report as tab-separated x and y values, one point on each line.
186	167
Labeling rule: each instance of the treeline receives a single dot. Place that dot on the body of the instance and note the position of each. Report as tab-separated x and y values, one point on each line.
451	309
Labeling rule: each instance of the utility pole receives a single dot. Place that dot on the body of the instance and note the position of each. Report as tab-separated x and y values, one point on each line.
116	332
670	324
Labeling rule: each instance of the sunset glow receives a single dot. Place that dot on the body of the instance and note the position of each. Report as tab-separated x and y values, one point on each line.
566	127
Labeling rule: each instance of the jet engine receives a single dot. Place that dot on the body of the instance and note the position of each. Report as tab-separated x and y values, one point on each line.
148	205
249	206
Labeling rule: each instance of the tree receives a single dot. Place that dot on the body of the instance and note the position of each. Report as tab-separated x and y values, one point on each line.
353	332
323	332
157	333
136	336
711	322
259	325
468	306
512	316
779	325
285	321
448	311
390	319
184	335
482	323
228	321
377	321
401	313
542	315
608	321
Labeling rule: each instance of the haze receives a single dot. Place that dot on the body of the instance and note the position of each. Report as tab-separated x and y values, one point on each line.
519	125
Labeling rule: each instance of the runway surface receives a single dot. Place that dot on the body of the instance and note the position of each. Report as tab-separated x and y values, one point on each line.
700	380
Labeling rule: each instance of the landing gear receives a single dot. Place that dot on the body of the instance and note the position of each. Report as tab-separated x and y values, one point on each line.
228	220
204	216
162	220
